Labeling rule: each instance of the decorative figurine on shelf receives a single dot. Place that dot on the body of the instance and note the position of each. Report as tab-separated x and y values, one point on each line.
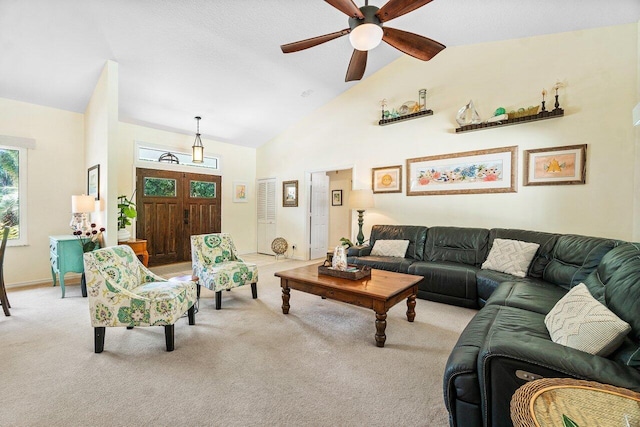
544	93
468	115
385	113
422	99
557	86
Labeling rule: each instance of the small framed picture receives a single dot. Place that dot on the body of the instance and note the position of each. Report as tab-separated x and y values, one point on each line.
387	179
336	198
240	192
93	181
556	165
289	194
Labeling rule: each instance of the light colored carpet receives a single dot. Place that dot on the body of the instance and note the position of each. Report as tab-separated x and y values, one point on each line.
245	365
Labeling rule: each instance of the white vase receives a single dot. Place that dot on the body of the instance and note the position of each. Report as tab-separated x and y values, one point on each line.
124	235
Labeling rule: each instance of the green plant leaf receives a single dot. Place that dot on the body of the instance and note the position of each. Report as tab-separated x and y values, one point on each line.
568	422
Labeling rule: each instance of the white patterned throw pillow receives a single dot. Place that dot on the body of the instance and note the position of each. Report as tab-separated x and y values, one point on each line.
395	248
510	256
580	321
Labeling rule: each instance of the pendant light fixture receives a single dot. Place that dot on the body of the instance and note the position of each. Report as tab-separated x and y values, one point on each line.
197	155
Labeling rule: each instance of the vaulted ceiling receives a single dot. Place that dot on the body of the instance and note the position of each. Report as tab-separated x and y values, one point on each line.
222	60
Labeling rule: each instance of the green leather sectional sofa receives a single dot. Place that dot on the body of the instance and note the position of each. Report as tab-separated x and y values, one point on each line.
507	343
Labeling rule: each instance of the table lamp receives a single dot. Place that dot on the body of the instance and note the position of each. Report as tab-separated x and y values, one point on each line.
80	207
360	200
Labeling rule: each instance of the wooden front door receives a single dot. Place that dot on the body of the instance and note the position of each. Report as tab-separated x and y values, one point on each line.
171	207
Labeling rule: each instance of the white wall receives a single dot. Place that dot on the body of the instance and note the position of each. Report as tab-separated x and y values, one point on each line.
600	93
636	205
238	164
55	172
101	120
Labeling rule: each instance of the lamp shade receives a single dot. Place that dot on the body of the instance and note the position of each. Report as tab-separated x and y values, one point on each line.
366	36
83	204
361	199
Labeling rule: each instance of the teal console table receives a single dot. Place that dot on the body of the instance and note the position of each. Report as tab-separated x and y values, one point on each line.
65	254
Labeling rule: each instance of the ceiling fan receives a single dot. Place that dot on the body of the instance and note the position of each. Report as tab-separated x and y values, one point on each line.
366	30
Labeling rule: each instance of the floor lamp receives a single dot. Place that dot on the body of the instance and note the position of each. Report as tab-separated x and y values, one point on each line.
360	200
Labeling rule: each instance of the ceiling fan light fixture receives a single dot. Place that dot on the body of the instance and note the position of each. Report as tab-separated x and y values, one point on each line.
365	37
197	150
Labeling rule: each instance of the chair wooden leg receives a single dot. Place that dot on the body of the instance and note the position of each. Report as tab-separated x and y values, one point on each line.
254	290
5	302
168	336
98	334
218	300
192	314
3	297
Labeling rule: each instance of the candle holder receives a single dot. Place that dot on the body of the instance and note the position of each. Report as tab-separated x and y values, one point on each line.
544	92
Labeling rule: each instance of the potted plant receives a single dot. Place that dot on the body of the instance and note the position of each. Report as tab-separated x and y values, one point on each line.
127	211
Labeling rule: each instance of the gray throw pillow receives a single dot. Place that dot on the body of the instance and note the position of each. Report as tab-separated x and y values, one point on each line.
395	248
580	321
510	256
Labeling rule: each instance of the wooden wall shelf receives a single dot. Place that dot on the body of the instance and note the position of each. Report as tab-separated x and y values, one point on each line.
543	115
385	122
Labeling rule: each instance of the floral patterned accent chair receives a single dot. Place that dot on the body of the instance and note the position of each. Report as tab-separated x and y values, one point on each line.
216	263
123	292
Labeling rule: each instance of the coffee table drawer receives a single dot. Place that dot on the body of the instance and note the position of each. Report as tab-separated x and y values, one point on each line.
347	297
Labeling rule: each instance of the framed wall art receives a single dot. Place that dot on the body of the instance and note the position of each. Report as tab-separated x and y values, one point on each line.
93	181
240	192
555	165
290	194
336	198
471	172
387	179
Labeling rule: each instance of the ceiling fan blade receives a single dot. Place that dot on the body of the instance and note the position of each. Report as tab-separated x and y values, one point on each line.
347	7
314	41
412	44
394	8
357	65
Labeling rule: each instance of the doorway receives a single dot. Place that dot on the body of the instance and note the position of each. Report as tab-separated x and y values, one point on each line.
173	206
329	214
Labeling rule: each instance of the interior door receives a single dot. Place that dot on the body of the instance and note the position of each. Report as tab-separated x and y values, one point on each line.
319	215
266	212
172	206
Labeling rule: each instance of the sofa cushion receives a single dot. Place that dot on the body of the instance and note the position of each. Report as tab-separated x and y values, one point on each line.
457	244
488	281
510	256
396	264
415	234
580	321
447	278
394	248
546	241
574	258
616	283
527	294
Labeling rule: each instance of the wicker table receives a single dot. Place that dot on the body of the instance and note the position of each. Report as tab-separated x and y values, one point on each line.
542	403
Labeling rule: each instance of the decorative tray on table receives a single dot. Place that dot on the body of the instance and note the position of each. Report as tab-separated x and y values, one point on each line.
353	272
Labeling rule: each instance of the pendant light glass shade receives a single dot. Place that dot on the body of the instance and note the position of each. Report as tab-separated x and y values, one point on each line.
366	36
197	154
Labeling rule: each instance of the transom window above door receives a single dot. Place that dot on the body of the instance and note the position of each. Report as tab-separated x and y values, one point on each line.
149	153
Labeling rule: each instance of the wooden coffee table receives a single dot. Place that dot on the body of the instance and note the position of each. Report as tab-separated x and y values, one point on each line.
379	292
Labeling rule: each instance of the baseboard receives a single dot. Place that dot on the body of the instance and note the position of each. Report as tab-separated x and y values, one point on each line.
69	279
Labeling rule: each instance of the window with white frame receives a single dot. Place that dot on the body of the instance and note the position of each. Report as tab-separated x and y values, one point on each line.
13	191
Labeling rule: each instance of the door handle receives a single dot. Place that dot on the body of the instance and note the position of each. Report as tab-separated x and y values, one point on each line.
186	216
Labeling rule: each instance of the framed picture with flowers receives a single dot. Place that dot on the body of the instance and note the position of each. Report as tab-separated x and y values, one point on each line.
483	171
